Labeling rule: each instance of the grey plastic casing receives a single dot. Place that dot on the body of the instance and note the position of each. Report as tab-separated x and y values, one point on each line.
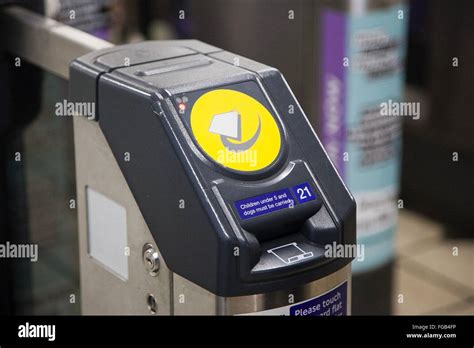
134	88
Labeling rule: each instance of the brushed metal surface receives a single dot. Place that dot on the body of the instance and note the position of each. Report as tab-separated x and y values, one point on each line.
190	299
102	292
281	298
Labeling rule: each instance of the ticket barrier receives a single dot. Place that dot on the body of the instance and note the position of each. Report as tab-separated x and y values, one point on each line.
202	188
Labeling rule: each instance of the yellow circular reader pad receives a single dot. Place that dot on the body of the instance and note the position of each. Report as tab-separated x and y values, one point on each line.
235	130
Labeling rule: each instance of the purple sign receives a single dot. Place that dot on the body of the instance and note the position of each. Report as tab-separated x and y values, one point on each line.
264	204
333	86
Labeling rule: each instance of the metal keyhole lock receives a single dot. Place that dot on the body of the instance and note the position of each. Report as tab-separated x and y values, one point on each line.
151	259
